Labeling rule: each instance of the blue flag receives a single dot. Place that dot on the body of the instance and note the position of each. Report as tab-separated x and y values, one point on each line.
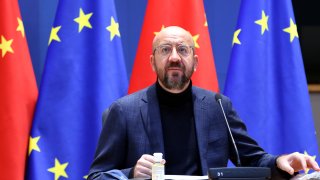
266	80
84	73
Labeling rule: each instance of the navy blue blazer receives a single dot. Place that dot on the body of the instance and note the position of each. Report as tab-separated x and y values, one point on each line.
132	127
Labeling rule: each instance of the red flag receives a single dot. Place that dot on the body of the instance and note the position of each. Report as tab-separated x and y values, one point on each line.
18	92
188	14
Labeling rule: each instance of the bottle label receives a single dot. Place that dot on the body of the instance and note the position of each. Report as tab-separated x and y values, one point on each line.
158	171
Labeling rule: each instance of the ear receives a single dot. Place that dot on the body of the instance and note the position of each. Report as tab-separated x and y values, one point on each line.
152	61
195	60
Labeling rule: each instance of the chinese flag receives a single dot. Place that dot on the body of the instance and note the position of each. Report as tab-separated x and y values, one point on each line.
188	14
18	92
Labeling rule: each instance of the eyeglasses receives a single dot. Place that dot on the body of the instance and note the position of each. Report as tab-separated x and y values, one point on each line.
166	49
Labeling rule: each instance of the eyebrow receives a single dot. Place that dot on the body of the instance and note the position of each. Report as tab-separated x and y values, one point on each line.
170	43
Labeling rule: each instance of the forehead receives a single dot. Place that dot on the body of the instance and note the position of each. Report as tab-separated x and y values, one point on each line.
173	39
174	36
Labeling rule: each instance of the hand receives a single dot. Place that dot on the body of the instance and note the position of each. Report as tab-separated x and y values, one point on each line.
143	168
295	162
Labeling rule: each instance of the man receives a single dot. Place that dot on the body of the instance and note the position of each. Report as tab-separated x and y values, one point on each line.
183	122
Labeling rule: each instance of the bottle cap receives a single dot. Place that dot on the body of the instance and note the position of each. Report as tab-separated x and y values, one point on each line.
158	156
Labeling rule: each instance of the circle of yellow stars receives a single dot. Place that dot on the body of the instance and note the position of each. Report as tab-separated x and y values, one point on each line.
263	22
83	21
59	169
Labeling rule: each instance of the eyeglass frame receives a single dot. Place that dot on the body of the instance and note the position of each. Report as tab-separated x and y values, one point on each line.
172	46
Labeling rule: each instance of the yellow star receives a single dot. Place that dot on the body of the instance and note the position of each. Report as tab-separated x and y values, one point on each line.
85	177
162	27
58	169
5	46
54	34
20	27
235	37
263	22
195	39
313	157
206	22
83	20
292	30
113	28
33	144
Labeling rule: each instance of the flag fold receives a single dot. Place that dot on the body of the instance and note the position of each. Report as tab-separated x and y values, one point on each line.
84	73
266	80
18	92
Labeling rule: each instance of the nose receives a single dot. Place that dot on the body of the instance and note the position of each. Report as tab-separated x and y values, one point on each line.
174	56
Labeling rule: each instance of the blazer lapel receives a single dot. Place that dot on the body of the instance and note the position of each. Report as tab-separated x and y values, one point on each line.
202	127
152	123
152	120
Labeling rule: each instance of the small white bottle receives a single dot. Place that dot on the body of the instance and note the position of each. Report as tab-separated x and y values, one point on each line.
157	167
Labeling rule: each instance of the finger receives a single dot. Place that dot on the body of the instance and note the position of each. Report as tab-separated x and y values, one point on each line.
303	162
297	161
149	158
142	175
145	163
283	163
145	170
286	167
141	171
146	159
312	164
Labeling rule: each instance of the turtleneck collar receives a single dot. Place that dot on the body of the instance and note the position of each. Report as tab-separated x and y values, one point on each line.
173	99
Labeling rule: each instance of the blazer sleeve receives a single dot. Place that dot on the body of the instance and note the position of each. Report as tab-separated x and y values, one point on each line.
111	146
251	154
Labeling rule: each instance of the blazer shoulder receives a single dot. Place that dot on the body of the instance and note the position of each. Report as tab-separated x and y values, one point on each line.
132	99
208	95
203	93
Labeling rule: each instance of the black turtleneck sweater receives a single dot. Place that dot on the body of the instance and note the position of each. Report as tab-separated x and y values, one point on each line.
179	132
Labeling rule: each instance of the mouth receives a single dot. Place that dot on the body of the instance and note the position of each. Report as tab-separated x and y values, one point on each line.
174	69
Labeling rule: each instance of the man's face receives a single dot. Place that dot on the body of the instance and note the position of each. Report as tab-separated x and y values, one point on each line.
173	59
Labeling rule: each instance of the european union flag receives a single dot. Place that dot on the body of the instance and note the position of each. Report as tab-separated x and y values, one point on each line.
266	79
84	72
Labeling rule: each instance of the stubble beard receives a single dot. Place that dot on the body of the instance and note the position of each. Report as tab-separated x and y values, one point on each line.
175	81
